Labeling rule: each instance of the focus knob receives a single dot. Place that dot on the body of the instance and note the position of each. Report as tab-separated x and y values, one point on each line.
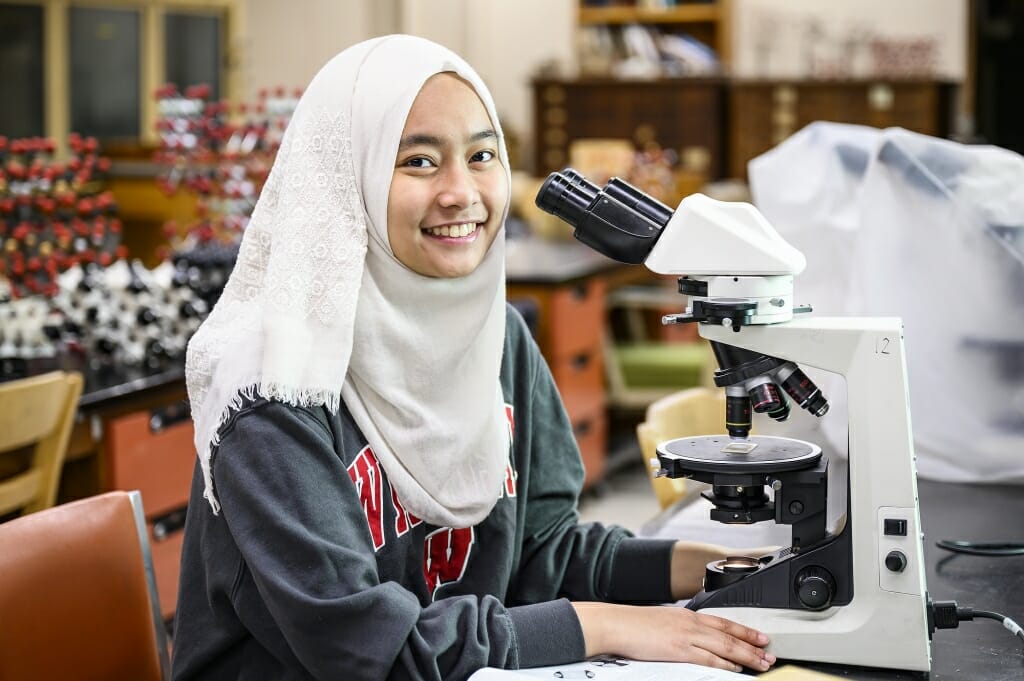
815	588
896	561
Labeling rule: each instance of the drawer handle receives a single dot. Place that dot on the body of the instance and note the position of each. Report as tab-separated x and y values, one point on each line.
582	429
166	416
580	361
169	523
579	292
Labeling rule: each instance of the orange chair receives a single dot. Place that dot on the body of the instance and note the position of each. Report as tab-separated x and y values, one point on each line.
78	599
36	412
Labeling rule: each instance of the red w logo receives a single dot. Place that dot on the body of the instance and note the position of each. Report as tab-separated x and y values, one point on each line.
365	473
445	554
511	474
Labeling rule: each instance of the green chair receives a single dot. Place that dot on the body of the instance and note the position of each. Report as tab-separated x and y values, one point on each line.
640	369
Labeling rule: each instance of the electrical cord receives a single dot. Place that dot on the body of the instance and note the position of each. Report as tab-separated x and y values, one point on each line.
976	548
948	615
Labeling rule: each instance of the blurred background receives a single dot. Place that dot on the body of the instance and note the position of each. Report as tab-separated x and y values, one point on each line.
135	136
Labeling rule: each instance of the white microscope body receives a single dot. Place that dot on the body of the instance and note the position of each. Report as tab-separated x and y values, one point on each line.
734	249
853	596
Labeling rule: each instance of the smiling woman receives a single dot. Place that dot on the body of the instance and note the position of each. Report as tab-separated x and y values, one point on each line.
390	474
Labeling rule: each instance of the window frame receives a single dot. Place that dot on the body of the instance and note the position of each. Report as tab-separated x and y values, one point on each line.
152	66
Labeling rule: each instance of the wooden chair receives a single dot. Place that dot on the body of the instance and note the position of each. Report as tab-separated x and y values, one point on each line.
694	411
36	412
77	594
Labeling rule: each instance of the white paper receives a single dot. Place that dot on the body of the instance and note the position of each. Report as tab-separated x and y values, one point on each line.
610	668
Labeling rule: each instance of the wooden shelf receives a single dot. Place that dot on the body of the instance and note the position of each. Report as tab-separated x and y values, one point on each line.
682	14
708	22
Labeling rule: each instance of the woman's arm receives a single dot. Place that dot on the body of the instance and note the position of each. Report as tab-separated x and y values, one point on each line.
671	634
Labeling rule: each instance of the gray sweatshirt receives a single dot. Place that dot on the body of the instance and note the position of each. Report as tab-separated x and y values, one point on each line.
314	570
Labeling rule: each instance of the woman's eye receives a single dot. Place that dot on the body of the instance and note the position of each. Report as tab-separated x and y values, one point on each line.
419	162
482	156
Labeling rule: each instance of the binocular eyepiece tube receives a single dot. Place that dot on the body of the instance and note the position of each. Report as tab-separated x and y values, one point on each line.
618	220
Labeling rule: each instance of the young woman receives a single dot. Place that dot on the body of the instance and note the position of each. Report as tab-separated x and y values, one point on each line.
390	478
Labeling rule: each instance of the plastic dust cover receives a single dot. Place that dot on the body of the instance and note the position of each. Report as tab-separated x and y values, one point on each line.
894	223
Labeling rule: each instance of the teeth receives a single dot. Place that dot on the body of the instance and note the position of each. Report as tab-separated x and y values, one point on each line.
454	230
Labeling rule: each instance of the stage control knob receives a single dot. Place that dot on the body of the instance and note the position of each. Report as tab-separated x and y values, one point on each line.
815	588
896	561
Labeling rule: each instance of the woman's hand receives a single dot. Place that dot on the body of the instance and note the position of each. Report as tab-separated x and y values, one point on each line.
671	634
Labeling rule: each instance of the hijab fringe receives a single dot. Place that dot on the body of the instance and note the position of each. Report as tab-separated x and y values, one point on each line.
276	392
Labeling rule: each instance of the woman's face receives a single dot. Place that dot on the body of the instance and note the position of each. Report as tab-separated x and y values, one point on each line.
449	189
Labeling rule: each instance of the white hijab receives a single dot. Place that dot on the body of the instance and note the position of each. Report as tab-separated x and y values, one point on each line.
318	308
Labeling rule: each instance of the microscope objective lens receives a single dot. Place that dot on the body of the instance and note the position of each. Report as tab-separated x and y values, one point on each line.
805	393
737	416
765	398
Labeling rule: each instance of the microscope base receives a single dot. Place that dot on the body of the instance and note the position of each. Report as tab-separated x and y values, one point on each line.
876	630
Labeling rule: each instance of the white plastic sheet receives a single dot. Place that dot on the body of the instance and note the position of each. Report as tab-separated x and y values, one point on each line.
895	223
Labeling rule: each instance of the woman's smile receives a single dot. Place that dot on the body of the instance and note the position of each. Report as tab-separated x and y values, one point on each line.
458	233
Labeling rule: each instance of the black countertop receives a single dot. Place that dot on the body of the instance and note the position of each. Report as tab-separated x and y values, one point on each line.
104	385
980	649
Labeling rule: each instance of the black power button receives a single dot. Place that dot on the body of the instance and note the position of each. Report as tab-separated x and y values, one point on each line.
896	561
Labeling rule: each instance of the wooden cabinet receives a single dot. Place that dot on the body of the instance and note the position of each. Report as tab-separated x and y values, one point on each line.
676	113
152	451
569	328
764	113
733	120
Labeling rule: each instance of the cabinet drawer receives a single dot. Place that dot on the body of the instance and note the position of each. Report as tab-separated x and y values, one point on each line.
153	452
577	318
580	381
591	431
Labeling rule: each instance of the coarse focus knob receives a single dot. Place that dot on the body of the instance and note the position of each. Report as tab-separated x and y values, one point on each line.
896	561
815	588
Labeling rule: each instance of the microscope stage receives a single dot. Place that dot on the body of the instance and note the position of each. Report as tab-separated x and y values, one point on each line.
756	454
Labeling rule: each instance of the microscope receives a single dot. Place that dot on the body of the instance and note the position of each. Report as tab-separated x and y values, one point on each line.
855	595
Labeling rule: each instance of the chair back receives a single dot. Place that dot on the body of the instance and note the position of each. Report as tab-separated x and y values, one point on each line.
36	413
78	599
694	411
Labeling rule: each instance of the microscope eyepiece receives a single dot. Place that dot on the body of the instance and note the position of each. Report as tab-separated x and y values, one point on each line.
567	195
642	203
619	220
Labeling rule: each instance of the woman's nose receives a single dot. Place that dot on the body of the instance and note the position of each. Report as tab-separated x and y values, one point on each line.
458	188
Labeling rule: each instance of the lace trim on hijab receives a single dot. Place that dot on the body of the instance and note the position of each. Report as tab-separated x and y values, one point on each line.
311	276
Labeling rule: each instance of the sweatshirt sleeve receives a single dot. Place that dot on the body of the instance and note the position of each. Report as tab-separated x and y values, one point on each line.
295	517
561	557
